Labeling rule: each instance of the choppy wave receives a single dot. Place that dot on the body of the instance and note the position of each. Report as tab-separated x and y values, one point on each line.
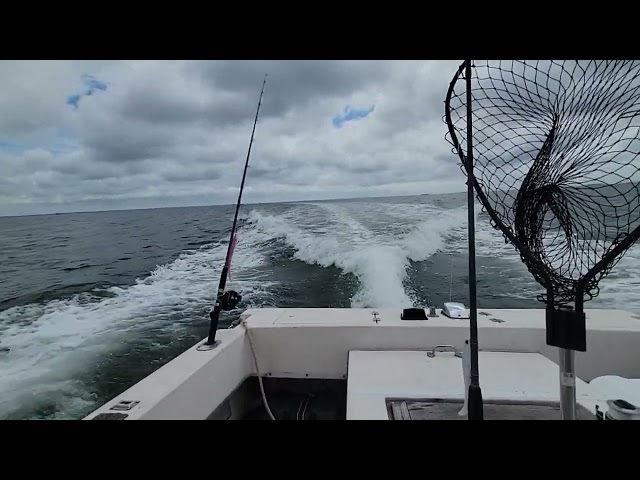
54	341
379	259
50	342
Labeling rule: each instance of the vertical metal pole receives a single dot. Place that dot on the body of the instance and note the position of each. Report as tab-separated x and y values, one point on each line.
475	393
567	384
567	364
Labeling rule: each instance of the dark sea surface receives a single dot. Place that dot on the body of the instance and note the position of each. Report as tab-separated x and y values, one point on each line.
90	303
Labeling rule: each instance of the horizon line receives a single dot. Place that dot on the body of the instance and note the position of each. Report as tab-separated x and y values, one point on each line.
222	204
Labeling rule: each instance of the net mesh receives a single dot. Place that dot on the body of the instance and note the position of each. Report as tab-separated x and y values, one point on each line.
555	159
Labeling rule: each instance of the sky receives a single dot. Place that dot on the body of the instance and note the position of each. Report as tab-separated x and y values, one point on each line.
101	135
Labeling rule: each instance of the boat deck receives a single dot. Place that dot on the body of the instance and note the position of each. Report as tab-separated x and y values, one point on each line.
433	409
376	356
411	385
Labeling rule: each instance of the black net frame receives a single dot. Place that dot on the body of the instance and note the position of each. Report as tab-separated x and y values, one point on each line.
555	165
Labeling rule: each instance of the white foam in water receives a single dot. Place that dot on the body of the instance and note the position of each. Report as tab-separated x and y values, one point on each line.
621	288
378	259
50	343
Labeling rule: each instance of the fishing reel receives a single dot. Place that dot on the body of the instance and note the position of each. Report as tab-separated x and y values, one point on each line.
229	300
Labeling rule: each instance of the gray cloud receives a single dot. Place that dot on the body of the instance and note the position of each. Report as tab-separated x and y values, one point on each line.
293	84
176	133
29	95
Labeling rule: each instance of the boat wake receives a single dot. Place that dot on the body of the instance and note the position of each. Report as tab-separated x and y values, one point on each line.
51	342
68	354
379	259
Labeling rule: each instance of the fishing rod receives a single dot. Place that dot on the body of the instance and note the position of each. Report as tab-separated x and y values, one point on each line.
228	300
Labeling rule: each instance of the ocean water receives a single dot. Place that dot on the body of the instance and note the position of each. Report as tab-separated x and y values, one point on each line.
90	303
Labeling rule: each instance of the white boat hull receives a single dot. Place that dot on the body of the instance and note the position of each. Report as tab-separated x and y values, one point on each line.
316	344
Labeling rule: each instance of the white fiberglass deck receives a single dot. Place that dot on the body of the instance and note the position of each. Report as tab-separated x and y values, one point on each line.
316	344
376	376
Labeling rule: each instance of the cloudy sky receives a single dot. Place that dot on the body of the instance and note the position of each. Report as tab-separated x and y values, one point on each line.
97	135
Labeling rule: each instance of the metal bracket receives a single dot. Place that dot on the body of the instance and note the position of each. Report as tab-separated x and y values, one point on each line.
443	348
110	416
205	348
125	405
